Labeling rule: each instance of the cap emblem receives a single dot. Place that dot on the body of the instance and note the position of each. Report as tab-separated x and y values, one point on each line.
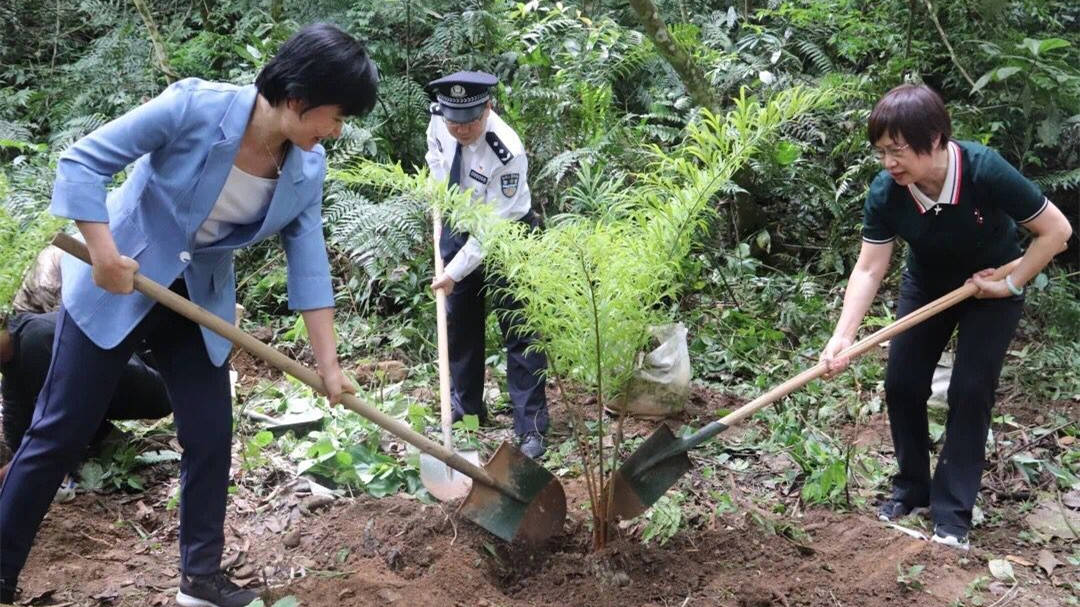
457	91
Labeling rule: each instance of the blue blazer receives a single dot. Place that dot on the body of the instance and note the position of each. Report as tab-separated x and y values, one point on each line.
183	144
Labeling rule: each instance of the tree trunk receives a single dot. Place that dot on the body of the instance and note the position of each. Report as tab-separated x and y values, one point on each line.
161	58
691	74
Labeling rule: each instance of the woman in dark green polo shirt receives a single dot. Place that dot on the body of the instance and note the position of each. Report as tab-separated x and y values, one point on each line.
957	205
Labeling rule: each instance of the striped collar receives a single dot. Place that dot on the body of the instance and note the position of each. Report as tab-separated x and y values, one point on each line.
950	190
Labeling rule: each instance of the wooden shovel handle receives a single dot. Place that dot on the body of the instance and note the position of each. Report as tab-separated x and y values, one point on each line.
938	305
196	313
445	406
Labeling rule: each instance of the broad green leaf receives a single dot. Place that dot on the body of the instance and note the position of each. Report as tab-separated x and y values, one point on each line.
786	153
1004	72
471	423
92	476
263	438
982	82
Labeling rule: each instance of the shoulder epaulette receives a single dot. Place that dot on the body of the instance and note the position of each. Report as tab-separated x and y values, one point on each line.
499	147
434	109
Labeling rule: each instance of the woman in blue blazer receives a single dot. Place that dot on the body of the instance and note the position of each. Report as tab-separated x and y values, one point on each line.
216	167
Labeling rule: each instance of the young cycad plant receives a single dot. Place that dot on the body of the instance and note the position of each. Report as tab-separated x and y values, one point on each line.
592	286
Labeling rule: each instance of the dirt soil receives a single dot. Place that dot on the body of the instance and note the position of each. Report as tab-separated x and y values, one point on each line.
121	549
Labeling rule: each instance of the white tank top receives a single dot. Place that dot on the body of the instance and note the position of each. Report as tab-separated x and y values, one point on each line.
243	200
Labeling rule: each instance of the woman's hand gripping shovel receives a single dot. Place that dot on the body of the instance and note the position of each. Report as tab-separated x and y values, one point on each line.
661	460
441	480
512	497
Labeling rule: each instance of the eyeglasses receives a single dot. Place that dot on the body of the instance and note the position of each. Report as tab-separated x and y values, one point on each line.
896	151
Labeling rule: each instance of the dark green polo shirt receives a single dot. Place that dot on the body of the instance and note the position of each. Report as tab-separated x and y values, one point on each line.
975	229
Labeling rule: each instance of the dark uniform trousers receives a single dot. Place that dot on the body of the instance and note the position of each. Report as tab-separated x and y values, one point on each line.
466	314
71	406
984	329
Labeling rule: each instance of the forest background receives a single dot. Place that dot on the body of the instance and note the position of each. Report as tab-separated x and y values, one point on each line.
598	95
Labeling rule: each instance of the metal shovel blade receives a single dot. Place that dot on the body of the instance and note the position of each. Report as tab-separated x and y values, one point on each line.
443	482
532	519
640	481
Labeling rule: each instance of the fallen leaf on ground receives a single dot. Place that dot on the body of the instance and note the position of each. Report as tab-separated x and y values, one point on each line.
1049	520
1019	560
1072	498
1047	561
1002	570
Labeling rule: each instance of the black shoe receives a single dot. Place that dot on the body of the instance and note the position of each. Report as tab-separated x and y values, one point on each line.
893	510
215	590
532	445
7	591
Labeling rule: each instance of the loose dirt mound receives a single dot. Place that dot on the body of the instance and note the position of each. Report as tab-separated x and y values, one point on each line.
119	549
400	551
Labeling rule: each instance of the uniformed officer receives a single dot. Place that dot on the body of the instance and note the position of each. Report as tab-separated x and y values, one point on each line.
470	145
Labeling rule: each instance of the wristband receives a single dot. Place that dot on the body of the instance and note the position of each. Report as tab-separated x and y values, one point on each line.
1012	287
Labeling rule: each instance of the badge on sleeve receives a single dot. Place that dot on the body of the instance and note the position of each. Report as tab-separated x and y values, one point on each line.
509	184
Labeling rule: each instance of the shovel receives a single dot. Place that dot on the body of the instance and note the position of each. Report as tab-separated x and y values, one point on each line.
662	459
512	497
441	480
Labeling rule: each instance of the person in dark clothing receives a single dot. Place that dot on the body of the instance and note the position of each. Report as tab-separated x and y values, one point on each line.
957	204
25	351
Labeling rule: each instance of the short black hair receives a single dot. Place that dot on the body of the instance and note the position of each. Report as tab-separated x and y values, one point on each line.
915	111
321	65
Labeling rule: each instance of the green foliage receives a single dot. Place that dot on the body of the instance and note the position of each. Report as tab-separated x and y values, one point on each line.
379	238
20	243
909	578
347	451
664	519
115	469
1040	84
590	288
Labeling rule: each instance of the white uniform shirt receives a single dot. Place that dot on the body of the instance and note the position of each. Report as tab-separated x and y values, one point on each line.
494	167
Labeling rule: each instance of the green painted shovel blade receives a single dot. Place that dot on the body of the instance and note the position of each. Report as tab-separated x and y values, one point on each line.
641	481
534	514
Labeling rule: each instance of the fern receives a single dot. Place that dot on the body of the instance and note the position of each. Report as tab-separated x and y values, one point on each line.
560	165
377	237
817	56
75	129
1060	180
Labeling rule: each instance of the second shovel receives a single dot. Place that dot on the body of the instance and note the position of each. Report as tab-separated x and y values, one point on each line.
442	481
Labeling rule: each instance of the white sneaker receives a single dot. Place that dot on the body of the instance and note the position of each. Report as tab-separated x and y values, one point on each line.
66	492
960	542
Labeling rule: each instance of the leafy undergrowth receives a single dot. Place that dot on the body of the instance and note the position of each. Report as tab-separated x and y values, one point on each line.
764	518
